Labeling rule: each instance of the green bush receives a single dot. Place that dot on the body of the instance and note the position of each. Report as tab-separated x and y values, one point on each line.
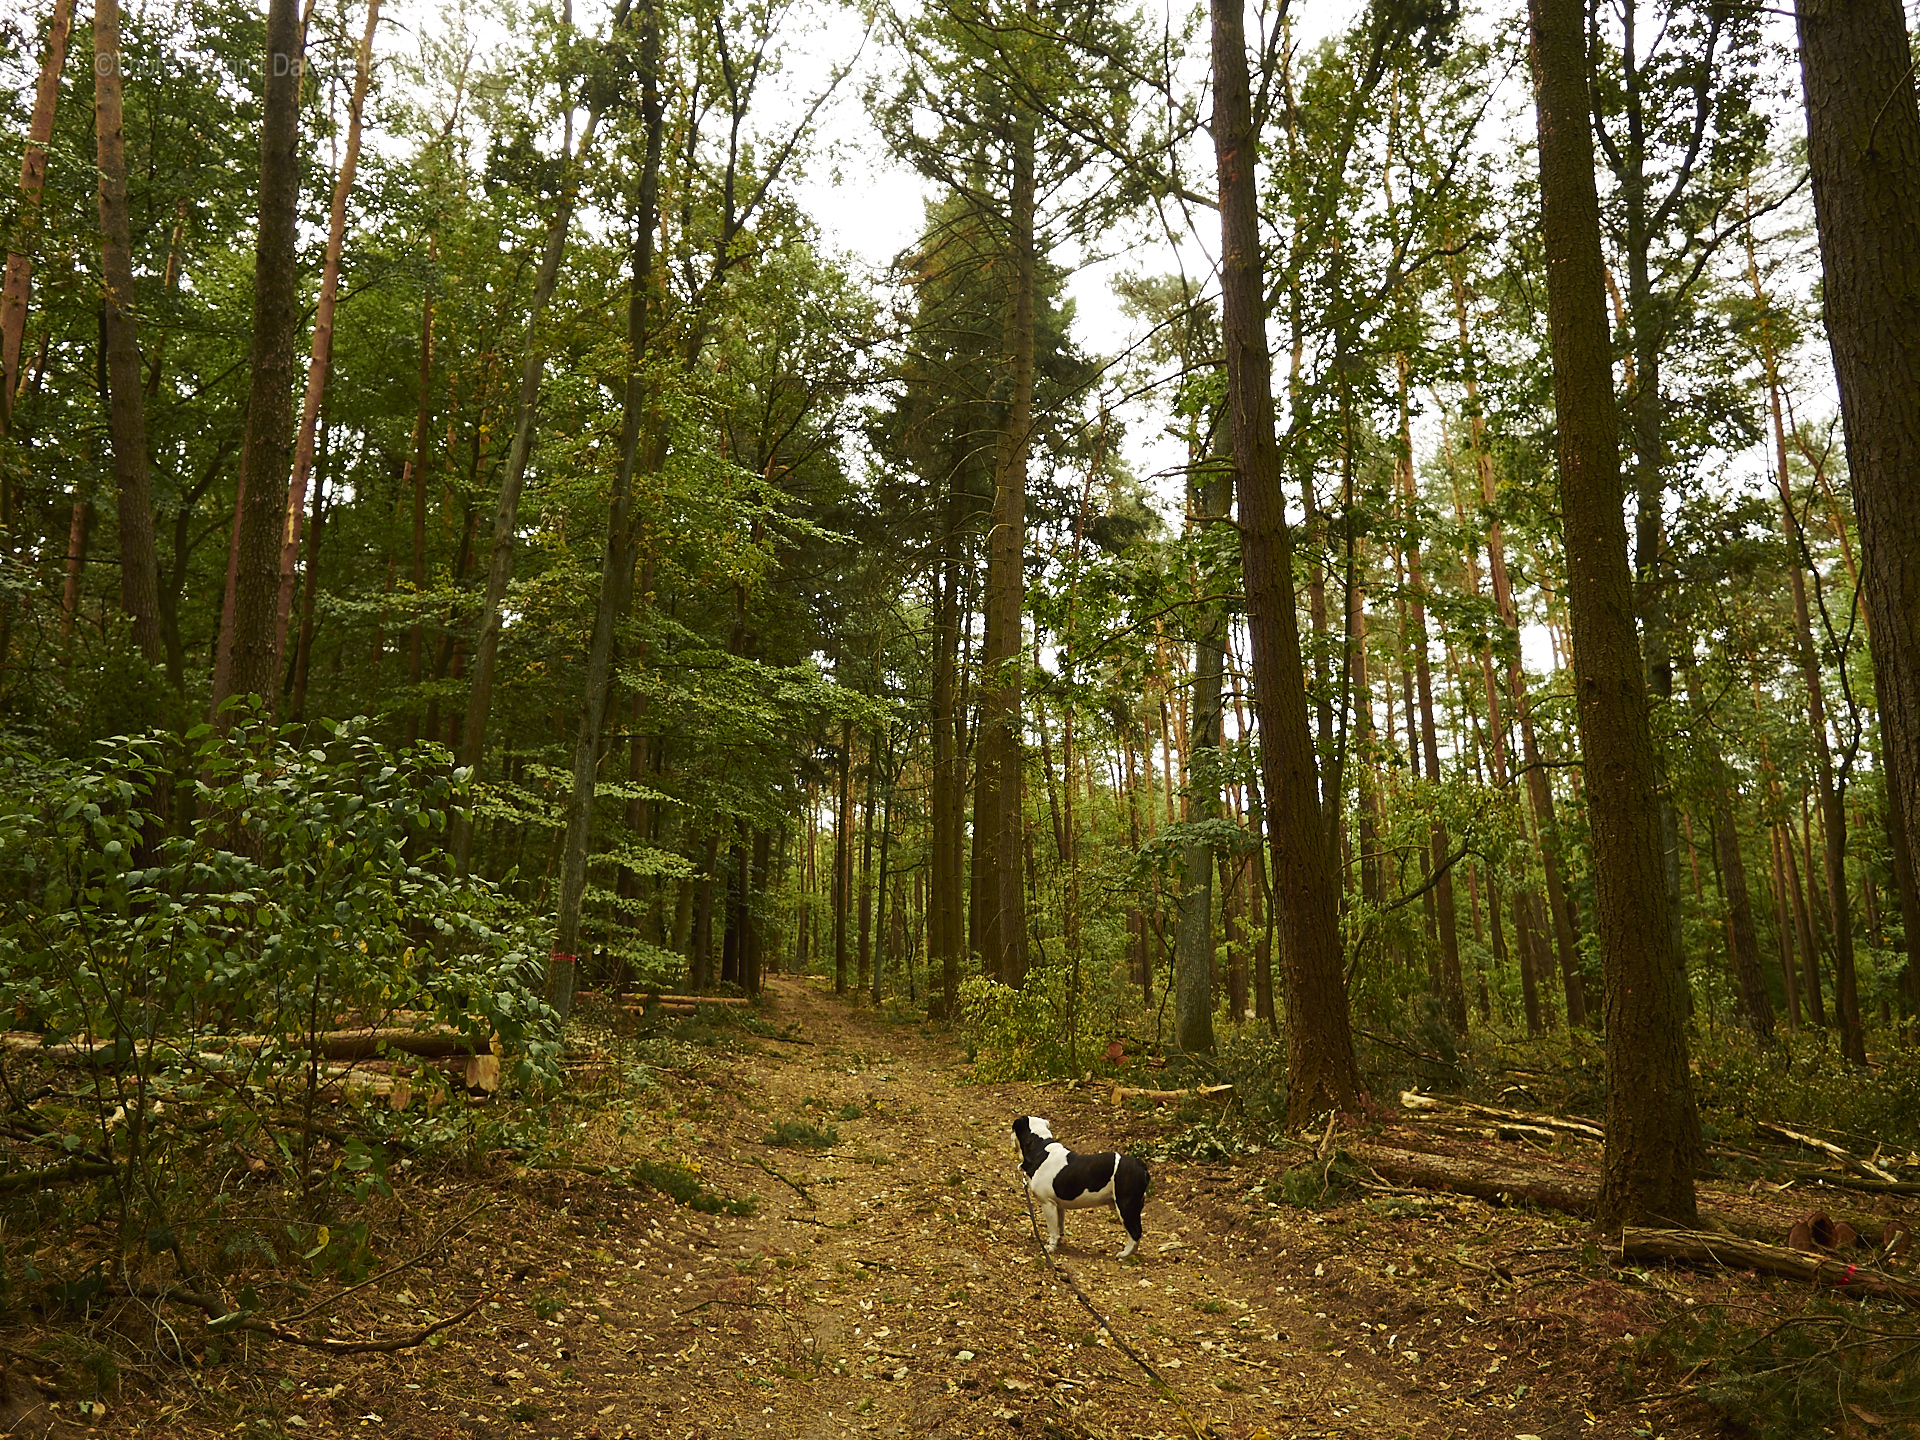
1810	1374
189	912
1804	1080
801	1135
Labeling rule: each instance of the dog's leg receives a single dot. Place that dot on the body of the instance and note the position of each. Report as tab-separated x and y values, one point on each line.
1130	1200
1056	1226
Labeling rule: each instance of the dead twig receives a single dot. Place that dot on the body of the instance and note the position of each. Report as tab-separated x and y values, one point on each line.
242	1321
797	1188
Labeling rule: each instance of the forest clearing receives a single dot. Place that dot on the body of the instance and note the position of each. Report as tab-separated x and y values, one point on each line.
888	1278
628	625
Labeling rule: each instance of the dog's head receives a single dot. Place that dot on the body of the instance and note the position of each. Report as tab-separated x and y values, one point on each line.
1031	1134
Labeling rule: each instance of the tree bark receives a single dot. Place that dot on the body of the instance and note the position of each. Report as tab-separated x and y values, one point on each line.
33	184
1453	993
1321	1070
842	858
1863	149
473	736
1193	942
1653	1133
1743	944
322	356
944	926
1846	999
999	808
643	437
139	556
864	949
248	649
303	647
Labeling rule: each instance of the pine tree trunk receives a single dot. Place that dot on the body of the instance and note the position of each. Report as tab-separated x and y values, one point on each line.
33	183
944	939
251	666
999	809
1321	1070
842	858
1653	1134
1863	149
139	557
1193	941
322	357
1783	928
864	952
1453	994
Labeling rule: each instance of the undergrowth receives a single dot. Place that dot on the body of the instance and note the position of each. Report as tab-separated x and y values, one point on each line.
682	1185
801	1135
1833	1366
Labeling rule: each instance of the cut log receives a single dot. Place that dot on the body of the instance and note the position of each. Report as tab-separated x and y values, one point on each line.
14	1181
1849	1161
1694	1247
1430	1104
434	1043
1206	1094
1499	1184
1859	1183
1527	1134
650	1001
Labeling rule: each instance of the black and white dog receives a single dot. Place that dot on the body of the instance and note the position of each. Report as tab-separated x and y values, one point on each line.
1061	1180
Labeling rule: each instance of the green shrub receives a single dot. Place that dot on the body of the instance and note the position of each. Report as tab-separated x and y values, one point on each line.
191	912
800	1135
1813	1373
682	1185
1804	1080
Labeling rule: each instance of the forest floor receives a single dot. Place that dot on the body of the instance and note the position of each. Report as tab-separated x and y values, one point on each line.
891	1285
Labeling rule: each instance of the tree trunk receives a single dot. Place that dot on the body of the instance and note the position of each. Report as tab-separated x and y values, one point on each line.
247	649
1806	927
414	478
1743	945
643	436
473	737
944	938
701	971
1321	1071
303	646
1653	1133
1193	941
139	557
322	356
1453	993
842	858
33	183
753	926
999	811
864	950
1863	149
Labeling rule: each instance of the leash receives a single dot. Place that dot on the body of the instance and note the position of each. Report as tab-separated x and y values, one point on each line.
1159	1380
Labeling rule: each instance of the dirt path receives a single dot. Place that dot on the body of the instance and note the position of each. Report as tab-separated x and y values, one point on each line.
891	1285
